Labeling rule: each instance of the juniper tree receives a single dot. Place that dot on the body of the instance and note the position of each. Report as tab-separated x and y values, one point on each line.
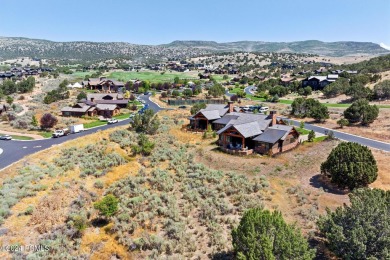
361	230
265	235
350	165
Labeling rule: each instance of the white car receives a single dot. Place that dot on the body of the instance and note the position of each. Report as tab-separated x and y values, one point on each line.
112	121
263	109
5	137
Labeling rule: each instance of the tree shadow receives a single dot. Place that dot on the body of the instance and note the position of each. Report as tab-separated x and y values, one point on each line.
222	255
318	181
99	222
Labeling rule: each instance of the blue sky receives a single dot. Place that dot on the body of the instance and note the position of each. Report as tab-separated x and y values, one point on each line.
162	21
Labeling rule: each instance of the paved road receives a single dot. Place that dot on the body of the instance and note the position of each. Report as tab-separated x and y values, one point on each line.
247	91
15	150
344	136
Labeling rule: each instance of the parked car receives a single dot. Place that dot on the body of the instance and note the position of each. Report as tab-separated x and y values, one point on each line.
112	121
182	107
263	109
5	137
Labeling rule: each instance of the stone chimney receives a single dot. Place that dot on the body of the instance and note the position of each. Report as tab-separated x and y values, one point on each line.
231	107
273	117
92	99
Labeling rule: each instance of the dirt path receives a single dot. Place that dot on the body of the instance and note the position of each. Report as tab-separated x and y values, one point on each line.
36	137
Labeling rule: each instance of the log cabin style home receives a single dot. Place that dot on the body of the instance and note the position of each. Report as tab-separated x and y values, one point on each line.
103	84
246	133
82	109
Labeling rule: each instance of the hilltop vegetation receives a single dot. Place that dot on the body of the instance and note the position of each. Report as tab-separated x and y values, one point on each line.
13	47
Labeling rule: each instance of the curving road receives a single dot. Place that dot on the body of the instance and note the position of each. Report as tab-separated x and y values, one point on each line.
15	150
344	136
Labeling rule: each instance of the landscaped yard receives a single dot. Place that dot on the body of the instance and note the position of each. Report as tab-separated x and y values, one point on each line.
94	124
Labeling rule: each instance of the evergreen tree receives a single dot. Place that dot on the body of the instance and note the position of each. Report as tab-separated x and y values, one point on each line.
361	230
265	235
361	111
146	122
350	165
311	136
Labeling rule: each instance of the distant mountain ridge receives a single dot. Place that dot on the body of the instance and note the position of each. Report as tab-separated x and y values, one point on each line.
342	48
13	47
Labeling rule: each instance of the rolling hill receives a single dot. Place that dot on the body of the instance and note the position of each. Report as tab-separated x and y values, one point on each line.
13	47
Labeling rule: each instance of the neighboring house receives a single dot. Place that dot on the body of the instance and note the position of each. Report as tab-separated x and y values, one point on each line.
319	82
286	81
205	117
246	133
104	85
91	109
110	99
106	109
3	108
78	110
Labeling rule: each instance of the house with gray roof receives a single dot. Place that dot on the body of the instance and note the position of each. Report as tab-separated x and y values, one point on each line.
104	84
247	133
319	82
206	116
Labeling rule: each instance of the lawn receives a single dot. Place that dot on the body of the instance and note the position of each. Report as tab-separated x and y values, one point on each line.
302	131
122	116
235	90
82	74
94	124
152	76
45	134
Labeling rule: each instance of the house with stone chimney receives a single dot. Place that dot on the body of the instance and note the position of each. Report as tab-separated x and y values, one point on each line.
246	133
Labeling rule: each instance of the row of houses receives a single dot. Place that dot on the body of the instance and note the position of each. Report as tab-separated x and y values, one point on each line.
97	104
245	133
20	72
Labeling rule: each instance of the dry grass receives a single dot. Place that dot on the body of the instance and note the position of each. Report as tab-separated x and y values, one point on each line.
99	245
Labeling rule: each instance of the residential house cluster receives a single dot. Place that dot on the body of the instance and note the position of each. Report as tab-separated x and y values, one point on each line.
20	72
96	104
245	133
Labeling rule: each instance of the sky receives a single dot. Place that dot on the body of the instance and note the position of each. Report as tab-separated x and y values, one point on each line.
163	21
